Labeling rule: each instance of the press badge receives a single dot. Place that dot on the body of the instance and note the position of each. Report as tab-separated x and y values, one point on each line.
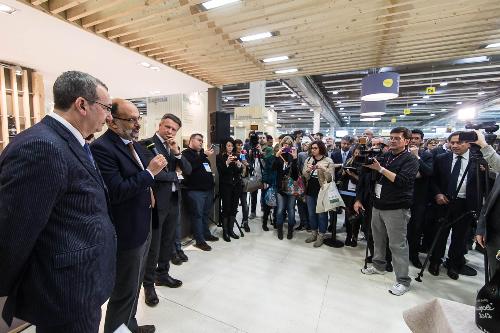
378	190
207	167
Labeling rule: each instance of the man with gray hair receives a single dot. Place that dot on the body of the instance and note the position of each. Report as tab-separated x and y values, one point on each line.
57	242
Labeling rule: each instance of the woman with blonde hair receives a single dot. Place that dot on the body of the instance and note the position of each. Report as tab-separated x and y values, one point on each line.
318	170
285	165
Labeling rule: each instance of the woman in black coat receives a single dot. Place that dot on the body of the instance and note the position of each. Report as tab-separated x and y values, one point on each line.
230	170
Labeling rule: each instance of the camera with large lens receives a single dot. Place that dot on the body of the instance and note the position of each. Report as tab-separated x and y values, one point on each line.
488	126
366	155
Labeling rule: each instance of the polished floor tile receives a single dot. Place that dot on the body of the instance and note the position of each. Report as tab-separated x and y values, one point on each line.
263	285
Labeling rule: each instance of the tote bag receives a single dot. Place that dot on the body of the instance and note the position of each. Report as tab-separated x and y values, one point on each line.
329	198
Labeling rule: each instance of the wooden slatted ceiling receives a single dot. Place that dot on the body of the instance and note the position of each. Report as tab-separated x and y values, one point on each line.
320	36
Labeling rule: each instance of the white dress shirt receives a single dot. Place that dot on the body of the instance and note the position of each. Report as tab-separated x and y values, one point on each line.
465	161
136	157
70	127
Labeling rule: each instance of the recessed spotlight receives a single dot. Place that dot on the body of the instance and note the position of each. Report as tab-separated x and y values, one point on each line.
216	3
261	35
443	109
6	9
341	109
284	111
345	117
490	46
303	104
368	114
443	84
286	71
145	64
339	102
343	113
459	103
311	109
433	114
335	92
293	115
415	104
370	119
271	106
481	93
229	97
402	116
427	97
226	100
299	118
274	59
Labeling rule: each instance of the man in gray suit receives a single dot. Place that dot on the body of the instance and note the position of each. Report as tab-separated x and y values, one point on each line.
488	227
166	212
57	242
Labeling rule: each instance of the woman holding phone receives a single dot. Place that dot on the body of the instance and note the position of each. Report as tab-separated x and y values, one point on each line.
244	195
318	170
230	169
285	165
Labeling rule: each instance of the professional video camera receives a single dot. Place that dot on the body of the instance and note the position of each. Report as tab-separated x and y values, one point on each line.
254	139
489	127
366	155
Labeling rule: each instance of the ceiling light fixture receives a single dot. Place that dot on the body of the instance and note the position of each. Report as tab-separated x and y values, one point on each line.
339	102
375	113
433	114
341	109
402	116
299	118
370	119
380	86
481	93
415	104
293	115
490	46
258	36
286	71
443	84
271	106
311	109
284	111
145	64
335	92
6	9
216	3
459	103
274	59
303	104
427	97
467	113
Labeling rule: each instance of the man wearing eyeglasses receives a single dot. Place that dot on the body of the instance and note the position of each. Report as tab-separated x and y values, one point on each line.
393	197
57	240
129	176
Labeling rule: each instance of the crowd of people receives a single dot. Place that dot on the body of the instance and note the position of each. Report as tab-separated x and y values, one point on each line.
85	220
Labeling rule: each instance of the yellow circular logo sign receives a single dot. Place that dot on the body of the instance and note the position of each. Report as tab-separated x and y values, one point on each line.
388	83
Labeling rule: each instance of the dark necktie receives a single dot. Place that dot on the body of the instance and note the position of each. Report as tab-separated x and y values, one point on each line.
89	153
452	185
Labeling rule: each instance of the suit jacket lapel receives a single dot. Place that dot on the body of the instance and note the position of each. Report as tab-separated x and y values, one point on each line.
74	146
115	138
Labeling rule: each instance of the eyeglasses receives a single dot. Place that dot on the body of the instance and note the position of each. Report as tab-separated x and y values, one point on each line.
314	147
130	120
107	108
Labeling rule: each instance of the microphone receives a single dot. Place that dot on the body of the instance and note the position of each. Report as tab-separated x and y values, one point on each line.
150	145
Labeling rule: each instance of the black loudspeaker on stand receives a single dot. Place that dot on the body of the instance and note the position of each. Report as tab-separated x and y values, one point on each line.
219	126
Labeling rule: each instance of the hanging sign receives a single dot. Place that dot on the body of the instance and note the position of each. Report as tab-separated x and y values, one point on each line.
406	112
393	120
430	90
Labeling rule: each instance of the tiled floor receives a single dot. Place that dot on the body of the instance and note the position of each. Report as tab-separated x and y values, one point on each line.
261	284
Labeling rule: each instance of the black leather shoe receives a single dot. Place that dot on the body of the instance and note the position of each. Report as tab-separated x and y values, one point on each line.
211	238
289	234
203	246
452	273
233	235
388	267
280	233
182	256
434	268
264	227
146	329
467	271
150	296
246	227
354	242
300	227
348	242
416	262
176	260
168	282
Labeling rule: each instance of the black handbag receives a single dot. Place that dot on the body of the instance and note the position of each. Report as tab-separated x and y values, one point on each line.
488	305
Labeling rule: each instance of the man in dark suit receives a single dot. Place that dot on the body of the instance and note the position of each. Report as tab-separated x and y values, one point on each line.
129	177
420	195
57	242
448	171
339	157
166	191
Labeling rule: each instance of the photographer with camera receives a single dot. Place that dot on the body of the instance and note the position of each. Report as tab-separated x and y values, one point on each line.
393	196
420	195
488	226
243	196
256	151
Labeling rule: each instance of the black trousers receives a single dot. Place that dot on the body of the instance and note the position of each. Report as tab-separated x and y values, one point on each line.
253	201
122	305
459	233
162	242
415	227
352	224
88	323
230	195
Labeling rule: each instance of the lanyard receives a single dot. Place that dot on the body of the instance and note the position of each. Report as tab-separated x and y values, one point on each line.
389	162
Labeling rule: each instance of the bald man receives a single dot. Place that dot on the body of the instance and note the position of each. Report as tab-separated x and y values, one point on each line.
128	176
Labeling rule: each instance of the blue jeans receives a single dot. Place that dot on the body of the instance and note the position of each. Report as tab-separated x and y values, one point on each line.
286	202
316	221
200	205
